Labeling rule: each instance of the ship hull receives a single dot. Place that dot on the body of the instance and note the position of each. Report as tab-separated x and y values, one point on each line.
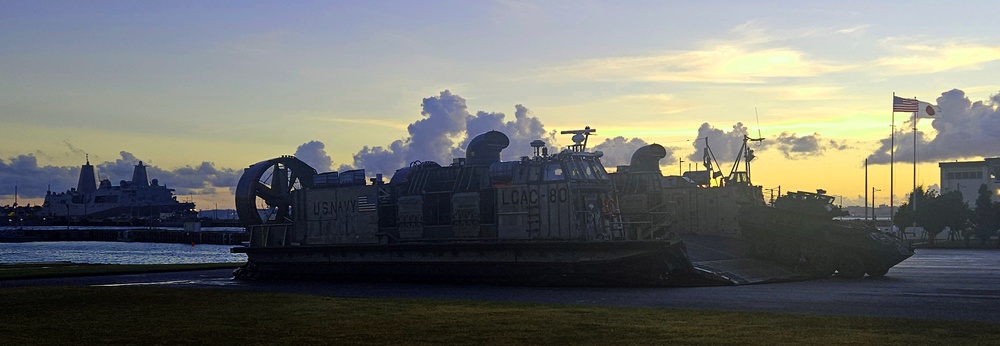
639	263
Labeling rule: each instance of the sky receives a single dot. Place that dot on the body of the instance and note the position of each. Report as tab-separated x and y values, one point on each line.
199	90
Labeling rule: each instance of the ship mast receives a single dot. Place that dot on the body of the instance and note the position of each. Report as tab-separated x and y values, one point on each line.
745	155
579	138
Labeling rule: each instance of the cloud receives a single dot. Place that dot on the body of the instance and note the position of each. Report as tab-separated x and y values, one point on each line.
31	179
34	180
802	92
726	145
201	179
855	30
379	159
719	64
120	169
922	59
74	150
757	55
618	151
431	138
444	132
964	129
313	153
372	122
522	130
796	147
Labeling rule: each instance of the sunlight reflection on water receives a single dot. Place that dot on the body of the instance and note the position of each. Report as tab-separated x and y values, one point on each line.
116	253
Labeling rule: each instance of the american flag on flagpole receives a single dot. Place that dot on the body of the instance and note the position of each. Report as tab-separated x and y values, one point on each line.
900	104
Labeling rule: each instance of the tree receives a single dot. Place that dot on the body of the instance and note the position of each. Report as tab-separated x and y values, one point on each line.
904	216
947	210
934	212
986	217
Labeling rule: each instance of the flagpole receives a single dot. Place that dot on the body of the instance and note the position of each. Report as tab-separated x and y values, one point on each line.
892	150
912	197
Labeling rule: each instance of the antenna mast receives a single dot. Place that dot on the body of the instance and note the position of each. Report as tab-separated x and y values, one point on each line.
759	137
579	138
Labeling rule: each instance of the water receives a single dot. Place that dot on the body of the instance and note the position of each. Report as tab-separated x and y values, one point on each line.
116	253
116	228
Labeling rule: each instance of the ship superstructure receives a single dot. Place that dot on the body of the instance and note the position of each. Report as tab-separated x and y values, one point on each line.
135	199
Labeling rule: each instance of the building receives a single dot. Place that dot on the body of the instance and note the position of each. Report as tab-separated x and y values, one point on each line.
966	177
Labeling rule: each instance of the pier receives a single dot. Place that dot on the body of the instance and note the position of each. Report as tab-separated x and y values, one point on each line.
218	236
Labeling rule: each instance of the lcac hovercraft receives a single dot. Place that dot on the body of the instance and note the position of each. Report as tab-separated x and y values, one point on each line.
540	220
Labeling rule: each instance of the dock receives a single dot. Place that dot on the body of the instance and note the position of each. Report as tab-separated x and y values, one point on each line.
219	236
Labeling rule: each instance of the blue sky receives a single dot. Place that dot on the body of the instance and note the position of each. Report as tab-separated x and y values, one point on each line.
179	84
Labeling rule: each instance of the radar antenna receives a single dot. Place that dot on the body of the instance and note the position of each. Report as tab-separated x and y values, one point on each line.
579	138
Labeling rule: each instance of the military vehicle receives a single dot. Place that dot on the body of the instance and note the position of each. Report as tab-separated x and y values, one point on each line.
732	233
799	229
702	214
545	219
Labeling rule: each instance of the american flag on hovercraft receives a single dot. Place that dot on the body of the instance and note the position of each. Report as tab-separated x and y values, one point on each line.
364	205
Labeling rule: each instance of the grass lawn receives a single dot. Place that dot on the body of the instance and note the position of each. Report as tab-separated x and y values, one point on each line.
61	269
151	315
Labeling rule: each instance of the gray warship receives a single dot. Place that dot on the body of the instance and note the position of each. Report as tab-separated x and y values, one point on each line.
135	200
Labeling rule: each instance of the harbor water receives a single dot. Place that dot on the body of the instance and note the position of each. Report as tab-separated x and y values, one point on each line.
99	252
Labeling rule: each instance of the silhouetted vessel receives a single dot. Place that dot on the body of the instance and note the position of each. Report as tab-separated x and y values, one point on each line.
545	219
136	200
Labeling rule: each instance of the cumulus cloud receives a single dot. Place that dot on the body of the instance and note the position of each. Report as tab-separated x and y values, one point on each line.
726	145
618	151
796	147
431	138
444	132
314	154
34	180
964	129
522	130
200	179
120	169
31	179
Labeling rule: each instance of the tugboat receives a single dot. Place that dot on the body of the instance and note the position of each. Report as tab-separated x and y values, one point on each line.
543	220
